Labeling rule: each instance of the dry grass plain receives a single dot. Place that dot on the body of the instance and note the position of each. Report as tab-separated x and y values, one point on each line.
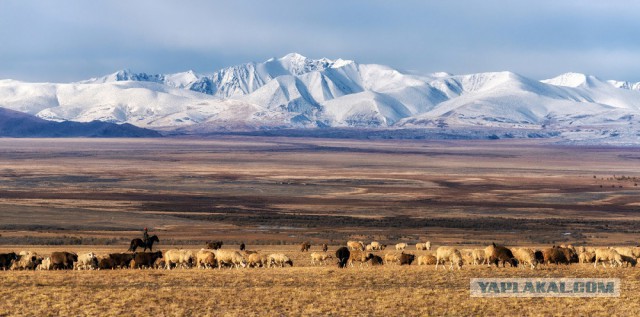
94	194
390	290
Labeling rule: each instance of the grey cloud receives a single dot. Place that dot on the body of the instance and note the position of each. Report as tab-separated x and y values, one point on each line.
73	40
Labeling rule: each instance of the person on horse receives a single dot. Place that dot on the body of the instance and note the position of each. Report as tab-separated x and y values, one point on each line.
145	237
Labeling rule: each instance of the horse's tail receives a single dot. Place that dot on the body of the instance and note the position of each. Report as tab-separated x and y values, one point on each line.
132	248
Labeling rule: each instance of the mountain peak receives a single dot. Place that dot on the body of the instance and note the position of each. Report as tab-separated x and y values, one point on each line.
294	57
573	80
299	64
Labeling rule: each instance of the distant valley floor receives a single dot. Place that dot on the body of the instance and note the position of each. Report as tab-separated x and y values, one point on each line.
273	190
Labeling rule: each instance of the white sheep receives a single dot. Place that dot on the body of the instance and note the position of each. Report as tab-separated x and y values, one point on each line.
401	246
279	259
184	258
320	257
525	256
478	256
451	254
205	258
355	245
610	255
586	257
45	265
87	261
426	259
258	260
390	257
488	252
231	258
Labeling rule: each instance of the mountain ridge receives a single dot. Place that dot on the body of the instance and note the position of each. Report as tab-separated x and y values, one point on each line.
298	92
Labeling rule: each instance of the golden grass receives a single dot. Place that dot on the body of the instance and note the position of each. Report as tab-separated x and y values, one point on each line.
302	290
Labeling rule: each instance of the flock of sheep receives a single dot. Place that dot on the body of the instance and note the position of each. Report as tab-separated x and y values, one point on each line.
493	254
356	252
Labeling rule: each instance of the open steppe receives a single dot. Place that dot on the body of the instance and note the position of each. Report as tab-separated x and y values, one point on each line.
272	193
287	190
300	290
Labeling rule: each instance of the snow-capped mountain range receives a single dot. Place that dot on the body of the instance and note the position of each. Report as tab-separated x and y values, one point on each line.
299	92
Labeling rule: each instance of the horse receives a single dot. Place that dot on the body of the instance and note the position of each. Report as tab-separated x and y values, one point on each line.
135	243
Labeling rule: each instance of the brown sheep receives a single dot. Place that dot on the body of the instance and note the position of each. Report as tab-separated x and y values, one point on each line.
502	255
355	245
305	246
63	260
426	259
376	260
359	256
406	258
559	255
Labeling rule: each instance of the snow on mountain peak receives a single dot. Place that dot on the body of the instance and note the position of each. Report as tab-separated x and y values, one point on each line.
296	91
573	80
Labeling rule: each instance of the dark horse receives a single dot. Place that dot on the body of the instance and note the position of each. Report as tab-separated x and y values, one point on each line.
135	243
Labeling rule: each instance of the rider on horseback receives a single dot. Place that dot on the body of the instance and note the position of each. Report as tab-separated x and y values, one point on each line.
145	237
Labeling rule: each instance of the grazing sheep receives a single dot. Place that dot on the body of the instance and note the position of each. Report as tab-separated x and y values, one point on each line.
63	260
342	254
355	245
401	246
391	258
107	263
488	251
610	255
205	259
420	246
320	258
554	255
570	254
478	256
426	259
183	258
586	257
467	258
87	261
26	260
159	264
559	255
525	256
305	246
376	260
359	256
451	254
279	259
539	256
633	252
214	245
406	258
45	265
7	259
145	259
428	245
257	260
502	255
628	260
230	257
375	245
368	247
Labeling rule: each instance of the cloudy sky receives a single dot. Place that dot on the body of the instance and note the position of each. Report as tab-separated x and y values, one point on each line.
68	40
